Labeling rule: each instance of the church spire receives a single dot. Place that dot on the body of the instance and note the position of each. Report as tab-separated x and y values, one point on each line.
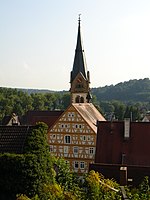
79	75
79	65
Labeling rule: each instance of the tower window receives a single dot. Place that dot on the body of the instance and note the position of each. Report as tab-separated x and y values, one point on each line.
78	99
82	100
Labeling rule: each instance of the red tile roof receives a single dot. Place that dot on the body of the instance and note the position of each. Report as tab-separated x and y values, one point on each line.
48	117
12	138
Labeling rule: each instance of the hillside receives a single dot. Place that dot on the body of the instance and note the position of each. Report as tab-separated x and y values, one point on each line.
121	99
132	90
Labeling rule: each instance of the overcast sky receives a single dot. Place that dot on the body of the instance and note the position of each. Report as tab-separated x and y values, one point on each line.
38	40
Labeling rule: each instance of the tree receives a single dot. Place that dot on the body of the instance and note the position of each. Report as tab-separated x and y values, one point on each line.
119	109
38	101
37	146
99	188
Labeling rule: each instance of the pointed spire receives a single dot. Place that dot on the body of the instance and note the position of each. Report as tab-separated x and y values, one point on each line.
79	65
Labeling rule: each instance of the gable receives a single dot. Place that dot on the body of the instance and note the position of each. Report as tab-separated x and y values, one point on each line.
84	113
71	121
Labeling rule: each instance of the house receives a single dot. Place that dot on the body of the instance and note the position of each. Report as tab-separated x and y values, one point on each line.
146	118
73	135
123	151
11	120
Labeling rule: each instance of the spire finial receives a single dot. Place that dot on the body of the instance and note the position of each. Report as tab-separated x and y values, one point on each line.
79	18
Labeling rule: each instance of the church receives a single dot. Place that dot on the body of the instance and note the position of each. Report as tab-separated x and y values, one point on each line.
73	135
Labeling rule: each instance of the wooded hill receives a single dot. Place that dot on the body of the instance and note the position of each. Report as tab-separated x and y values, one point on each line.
119	100
128	91
132	90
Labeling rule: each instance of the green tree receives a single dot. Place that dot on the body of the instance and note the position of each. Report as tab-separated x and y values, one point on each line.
119	109
100	188
37	146
38	101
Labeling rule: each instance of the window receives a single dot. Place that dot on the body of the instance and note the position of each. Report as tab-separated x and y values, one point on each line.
54	136
81	165
82	100
65	149
67	162
70	114
51	148
67	139
80	126
77	99
88	138
75	150
76	164
91	150
84	138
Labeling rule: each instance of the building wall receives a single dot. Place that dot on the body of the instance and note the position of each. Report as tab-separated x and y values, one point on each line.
114	148
73	139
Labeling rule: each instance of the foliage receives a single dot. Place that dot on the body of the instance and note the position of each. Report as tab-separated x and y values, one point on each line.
100	188
68	180
21	174
141	192
132	96
118	110
36	144
10	175
27	173
22	197
19	102
132	90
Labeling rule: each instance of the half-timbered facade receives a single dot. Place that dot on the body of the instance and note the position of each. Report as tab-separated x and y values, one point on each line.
73	136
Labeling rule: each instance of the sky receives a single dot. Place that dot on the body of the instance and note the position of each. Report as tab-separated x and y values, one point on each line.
38	40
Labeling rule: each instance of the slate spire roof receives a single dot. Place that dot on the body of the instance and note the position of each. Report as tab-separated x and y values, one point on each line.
79	65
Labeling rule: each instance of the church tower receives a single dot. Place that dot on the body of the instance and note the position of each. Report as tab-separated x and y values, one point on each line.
80	77
73	134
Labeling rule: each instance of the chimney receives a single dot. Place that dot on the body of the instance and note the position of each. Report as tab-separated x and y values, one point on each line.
126	128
